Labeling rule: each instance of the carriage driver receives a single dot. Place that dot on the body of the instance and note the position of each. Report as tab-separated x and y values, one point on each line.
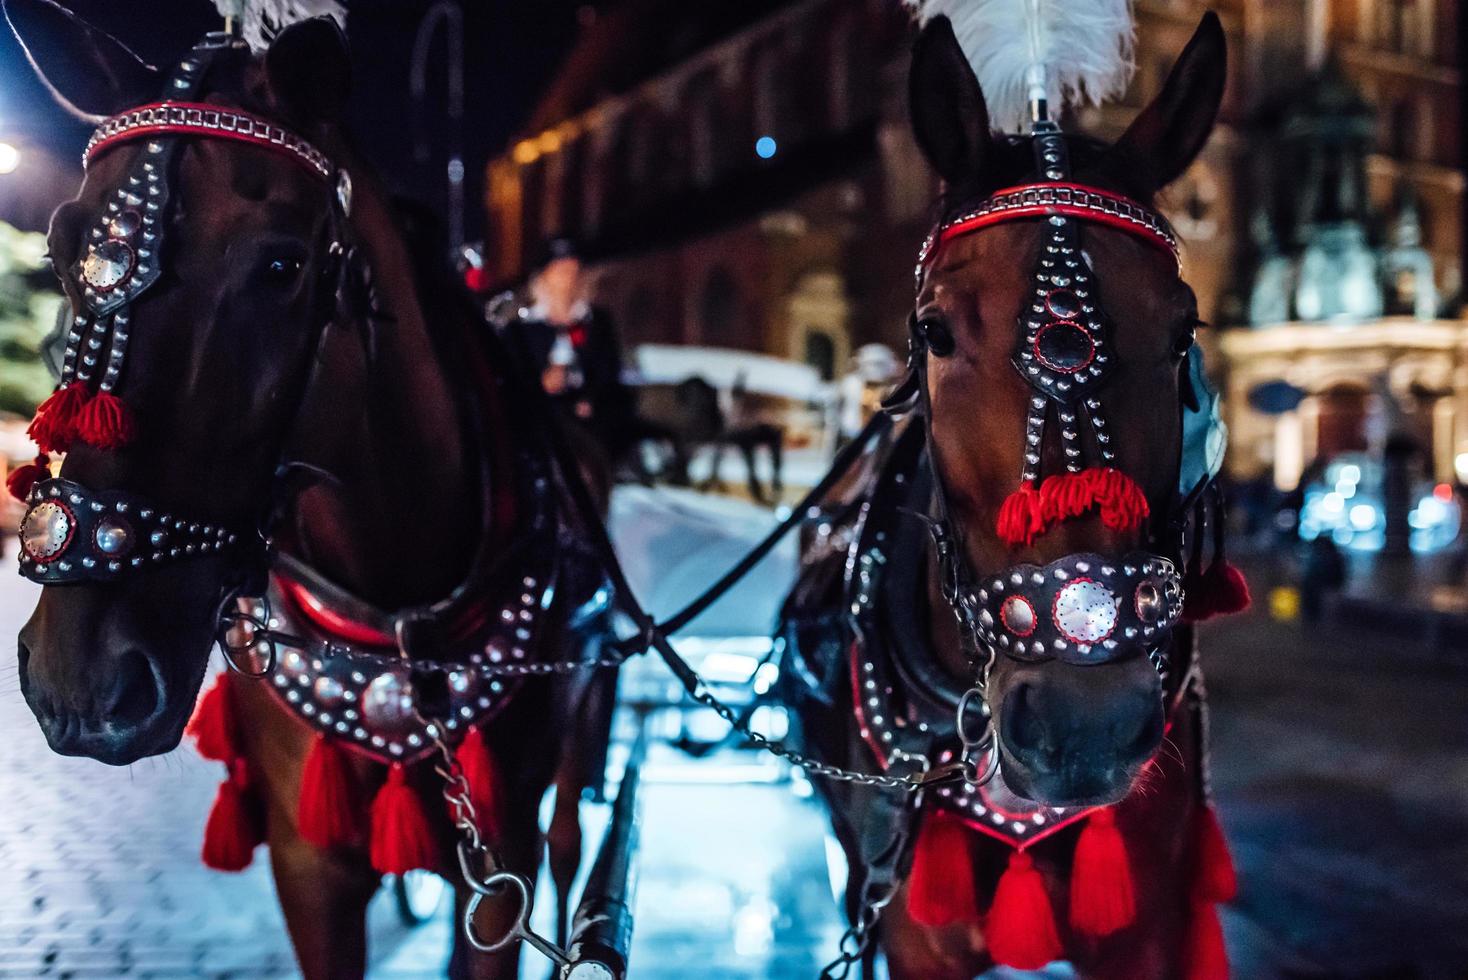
575	347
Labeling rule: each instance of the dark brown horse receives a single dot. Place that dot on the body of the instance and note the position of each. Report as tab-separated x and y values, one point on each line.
295	367
1098	729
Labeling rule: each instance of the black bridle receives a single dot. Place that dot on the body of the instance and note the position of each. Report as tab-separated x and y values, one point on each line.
1082	609
71	534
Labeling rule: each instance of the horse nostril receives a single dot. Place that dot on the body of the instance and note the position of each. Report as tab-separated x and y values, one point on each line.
135	694
1146	732
1024	725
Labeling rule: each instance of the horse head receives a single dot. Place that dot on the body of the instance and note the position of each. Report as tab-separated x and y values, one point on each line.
207	245
1055	345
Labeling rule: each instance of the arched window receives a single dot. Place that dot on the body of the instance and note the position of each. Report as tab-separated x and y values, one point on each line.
820	352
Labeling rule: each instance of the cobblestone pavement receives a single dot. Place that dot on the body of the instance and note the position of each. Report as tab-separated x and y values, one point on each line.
1340	766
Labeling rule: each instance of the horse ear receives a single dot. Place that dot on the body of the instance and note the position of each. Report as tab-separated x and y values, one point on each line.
1162	141
310	69
949	116
88	71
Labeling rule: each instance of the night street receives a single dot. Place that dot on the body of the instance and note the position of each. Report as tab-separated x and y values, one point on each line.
1340	769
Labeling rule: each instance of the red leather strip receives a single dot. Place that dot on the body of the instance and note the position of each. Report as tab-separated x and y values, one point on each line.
329	620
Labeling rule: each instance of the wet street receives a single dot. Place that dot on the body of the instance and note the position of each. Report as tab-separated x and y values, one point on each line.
1340	764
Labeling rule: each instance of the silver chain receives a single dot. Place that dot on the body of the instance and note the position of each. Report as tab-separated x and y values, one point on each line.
480	866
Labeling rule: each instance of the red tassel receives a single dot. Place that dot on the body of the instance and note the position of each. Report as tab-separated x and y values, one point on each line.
1204	955
213	726
328	813
105	422
1228	588
1020	928
235	824
1214	878
1220	591
940	888
1102	898
55	426
402	841
1197	597
1019	517
482	774
27	475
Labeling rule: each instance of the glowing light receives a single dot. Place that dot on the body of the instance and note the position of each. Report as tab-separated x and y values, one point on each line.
765	147
1363	517
9	158
1350	473
1443	492
1333	503
1460	465
525	151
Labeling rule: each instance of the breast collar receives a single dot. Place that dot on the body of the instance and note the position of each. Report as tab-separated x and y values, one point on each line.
905	703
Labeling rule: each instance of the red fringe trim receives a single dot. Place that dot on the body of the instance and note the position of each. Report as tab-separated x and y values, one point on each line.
27	475
1027	513
1020	928
236	823
401	841
54	427
1102	896
106	422
212	726
328	813
940	887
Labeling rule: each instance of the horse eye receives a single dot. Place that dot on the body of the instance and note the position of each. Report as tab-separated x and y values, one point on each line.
282	271
937	333
1186	339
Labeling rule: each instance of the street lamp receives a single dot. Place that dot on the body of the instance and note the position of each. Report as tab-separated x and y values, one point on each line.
9	158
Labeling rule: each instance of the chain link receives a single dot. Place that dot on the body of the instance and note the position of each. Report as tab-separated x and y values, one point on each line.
911	783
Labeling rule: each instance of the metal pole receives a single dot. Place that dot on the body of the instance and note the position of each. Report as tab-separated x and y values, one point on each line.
601	930
444	12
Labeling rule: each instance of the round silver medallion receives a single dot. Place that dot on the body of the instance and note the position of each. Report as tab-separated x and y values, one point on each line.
328	690
108	264
1063	303
46	530
1018	615
388	701
1149	602
1085	611
113	536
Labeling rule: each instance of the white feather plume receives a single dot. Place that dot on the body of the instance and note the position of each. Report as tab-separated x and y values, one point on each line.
261	20
1083	49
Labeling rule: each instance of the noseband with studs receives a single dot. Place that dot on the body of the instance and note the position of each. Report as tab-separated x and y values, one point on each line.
1081	609
72	534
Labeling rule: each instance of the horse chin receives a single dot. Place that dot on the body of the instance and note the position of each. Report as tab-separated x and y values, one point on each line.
110	681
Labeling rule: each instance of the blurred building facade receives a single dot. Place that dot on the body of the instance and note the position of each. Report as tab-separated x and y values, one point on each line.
750	180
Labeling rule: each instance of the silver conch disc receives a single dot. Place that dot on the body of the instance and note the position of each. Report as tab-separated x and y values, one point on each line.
108	264
1018	615
46	531
1085	611
388	701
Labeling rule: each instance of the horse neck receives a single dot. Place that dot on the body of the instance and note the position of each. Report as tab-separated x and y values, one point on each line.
400	521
